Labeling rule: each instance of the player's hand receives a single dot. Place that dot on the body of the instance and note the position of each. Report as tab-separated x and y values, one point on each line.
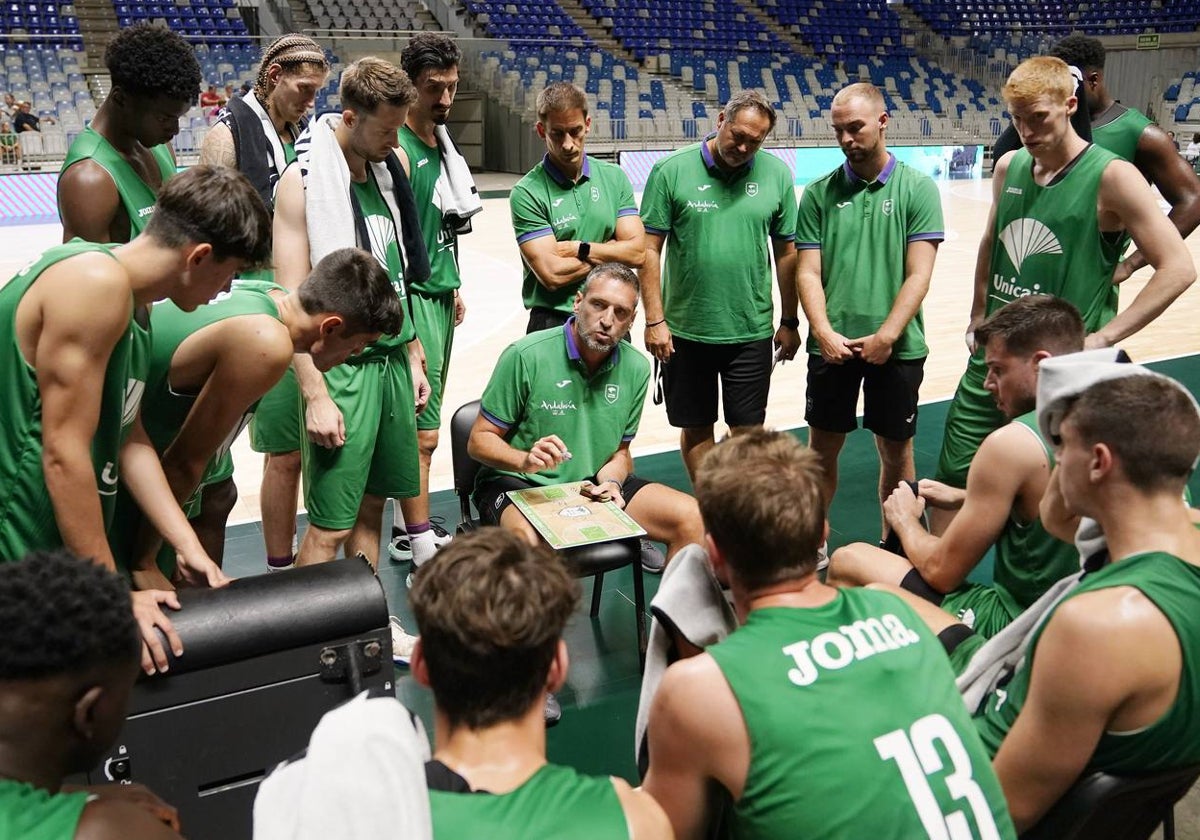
902	506
134	794
941	496
786	343
607	491
324	423
421	390
567	249
198	569
835	347
546	454
873	349
460	309
416	356
659	343
1123	272
148	614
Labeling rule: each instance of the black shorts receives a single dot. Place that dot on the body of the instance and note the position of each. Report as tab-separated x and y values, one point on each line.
541	318
917	585
690	382
890	393
492	498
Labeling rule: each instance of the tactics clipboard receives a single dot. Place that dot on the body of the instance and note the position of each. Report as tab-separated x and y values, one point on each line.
565	518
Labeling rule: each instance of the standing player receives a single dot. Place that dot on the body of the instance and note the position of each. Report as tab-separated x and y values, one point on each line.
828	713
571	212
117	165
867	234
257	135
431	62
347	189
716	204
1130	135
1060	211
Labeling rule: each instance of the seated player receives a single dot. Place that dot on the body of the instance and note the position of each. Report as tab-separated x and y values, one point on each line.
563	405
68	662
1111	679
491	609
209	368
1005	485
830	713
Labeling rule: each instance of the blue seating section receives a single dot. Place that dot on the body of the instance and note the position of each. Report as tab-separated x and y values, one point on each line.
648	27
53	24
1056	18
529	19
851	30
200	20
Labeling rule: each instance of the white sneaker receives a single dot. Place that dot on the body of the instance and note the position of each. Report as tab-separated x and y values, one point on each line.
402	642
400	549
823	556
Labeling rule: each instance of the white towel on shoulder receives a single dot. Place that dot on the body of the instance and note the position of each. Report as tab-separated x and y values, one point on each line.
454	192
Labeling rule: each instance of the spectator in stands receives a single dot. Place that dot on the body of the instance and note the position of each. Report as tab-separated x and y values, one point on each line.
599	222
117	165
1111	679
1061	212
291	71
10	104
492	610
66	670
227	95
209	98
1131	136
26	120
10	146
862	278
1193	148
1005	485
811	716
712	319
1173	139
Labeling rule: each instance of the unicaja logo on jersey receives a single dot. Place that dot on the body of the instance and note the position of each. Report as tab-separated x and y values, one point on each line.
133	398
1025	237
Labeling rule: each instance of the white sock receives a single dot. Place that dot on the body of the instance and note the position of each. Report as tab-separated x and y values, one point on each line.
397	516
423	546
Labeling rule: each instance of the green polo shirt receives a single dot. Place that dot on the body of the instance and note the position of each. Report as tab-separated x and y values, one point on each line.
541	387
862	231
716	281
546	203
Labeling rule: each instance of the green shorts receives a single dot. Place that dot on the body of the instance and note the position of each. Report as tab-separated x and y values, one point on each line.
972	417
379	457
961	657
980	607
278	421
433	316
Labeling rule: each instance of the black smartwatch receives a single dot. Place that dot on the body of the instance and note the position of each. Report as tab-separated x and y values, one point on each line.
790	323
585	248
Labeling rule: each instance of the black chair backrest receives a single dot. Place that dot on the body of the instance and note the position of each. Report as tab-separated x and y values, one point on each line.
1104	807
465	467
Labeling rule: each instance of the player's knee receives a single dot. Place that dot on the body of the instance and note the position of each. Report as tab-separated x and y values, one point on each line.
845	566
284	462
427	441
220	498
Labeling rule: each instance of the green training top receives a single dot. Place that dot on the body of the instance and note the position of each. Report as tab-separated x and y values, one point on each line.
546	203
863	231
386	249
31	813
425	167
137	197
1174	587
1121	134
26	516
856	728
555	803
716	280
1028	559
541	387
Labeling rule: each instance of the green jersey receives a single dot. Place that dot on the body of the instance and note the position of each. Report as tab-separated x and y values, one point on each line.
863	231
31	813
26	515
541	386
716	278
855	695
1120	135
555	803
137	197
547	203
1171	741
386	249
424	169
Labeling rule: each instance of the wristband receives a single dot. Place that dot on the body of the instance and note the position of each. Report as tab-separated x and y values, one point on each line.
790	323
585	248
656	323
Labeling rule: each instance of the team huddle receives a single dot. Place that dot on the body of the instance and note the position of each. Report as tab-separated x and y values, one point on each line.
303	281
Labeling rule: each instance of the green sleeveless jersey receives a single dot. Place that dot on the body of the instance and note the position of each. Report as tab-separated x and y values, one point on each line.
555	803
1028	559
856	728
31	813
1121	135
26	516
137	197
1172	740
386	249
424	169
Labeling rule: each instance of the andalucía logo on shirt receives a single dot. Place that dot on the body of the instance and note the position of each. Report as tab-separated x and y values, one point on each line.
558	407
611	393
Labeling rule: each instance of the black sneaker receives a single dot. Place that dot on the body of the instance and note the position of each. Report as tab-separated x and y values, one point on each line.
551	711
653	560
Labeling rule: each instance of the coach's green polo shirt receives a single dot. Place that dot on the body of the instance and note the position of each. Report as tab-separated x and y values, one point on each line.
541	387
862	231
716	282
546	203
